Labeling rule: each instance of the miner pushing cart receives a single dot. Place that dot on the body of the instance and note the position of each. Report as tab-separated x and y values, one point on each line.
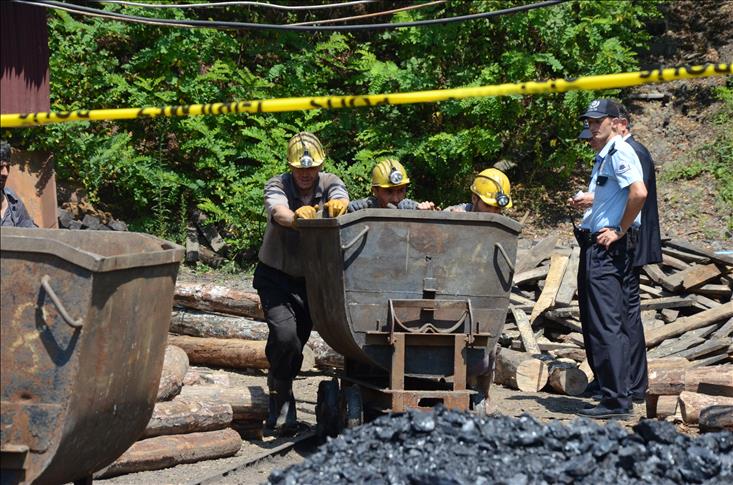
415	301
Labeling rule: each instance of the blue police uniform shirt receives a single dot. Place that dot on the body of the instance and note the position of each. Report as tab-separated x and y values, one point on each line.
621	169
585	222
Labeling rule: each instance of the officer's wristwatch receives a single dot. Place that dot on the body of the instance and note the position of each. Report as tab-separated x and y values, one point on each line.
620	231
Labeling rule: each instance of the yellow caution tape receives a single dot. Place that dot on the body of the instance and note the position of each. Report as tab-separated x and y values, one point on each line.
606	81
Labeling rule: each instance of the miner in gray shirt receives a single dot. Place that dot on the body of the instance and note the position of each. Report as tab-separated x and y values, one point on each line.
278	278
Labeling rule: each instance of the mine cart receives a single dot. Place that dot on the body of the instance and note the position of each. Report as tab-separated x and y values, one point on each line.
414	300
85	316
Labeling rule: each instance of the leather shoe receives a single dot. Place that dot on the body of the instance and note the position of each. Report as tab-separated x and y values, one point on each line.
603	412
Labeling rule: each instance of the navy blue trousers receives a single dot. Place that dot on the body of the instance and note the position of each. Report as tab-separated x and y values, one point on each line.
604	316
638	371
285	304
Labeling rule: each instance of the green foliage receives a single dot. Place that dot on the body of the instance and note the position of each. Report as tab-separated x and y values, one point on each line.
154	172
716	157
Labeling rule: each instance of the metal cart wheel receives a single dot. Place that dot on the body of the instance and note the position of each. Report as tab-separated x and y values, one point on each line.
352	407
327	409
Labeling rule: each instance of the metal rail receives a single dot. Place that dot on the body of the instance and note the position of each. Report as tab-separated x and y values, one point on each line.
308	438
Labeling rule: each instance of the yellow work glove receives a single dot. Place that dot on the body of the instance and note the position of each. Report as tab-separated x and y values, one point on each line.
336	207
305	212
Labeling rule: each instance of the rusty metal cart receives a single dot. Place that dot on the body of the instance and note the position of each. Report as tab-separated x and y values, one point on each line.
85	317
412	299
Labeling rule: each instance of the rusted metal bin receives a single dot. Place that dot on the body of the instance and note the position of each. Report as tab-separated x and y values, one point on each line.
413	293
85	316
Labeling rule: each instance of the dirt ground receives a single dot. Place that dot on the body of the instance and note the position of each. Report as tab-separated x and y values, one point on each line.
544	406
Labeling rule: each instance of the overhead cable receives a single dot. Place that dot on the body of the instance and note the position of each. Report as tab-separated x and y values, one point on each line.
235	4
375	14
303	28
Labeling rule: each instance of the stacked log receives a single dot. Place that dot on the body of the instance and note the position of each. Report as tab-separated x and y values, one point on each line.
686	307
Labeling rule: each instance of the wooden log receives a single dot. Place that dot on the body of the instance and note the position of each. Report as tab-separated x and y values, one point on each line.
569	283
661	407
182	416
231	353
672	381
558	264
218	299
248	430
192	245
167	451
202	324
525	331
578	355
694	276
202	376
667	362
584	367
567	379
538	253
247	403
519	370
683	325
691	403
716	418
175	366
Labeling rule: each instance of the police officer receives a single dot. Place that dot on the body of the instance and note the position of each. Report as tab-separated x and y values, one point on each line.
278	278
618	195
12	210
647	250
389	189
490	192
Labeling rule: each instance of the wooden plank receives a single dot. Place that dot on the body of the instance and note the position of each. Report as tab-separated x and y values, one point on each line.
714	359
692	277
538	253
653	304
683	325
705	348
673	345
684	256
525	331
687	247
724	331
654	271
530	275
713	291
568	323
652	290
569	283
674	263
558	264
703	302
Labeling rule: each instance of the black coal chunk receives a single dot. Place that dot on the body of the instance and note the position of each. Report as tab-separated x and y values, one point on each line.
454	448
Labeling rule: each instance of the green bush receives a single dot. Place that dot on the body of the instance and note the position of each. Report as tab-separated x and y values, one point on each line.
154	172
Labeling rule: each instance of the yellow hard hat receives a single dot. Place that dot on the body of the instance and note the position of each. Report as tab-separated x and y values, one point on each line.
305	151
492	186
389	173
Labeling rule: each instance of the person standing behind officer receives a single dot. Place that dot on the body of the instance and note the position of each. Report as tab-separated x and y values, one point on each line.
278	278
12	211
618	197
648	250
389	189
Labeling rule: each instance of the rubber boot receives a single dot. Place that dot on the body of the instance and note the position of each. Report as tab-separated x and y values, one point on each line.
273	407
282	416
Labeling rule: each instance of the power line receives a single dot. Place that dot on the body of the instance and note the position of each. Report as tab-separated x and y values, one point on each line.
228	4
375	14
303	28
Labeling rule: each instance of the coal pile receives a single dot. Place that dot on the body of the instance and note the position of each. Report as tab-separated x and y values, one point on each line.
448	447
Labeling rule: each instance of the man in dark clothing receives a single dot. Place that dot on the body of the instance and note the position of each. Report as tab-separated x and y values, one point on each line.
648	250
278	278
12	211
